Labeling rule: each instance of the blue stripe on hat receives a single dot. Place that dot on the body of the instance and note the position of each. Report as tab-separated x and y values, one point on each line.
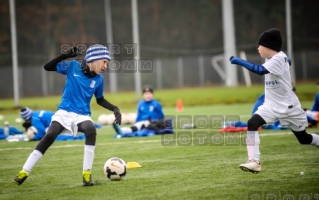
97	52
26	113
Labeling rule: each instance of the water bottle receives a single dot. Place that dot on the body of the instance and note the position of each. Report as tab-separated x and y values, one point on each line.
6	128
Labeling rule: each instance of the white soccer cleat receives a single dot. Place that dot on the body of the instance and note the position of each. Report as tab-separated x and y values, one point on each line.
251	166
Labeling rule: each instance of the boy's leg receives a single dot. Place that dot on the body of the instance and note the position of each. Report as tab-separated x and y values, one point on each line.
126	130
298	122
54	130
252	142
305	138
88	128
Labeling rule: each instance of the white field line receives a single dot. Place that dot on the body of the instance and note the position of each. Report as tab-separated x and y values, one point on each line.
128	142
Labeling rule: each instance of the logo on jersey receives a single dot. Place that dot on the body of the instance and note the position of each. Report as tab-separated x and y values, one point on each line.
272	84
92	84
151	108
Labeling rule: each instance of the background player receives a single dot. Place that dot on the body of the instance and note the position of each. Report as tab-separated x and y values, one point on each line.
39	120
149	114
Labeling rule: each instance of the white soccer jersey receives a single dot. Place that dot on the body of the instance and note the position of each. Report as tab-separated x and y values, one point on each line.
278	87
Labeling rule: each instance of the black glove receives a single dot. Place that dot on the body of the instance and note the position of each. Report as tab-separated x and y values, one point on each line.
118	115
73	52
26	124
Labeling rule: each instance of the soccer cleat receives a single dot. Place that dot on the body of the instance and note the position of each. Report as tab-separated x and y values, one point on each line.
117	128
20	178
87	178
251	166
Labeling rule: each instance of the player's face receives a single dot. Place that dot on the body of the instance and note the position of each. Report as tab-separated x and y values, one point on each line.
148	96
263	52
99	66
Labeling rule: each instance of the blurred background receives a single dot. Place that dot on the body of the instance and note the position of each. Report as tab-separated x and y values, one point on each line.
183	39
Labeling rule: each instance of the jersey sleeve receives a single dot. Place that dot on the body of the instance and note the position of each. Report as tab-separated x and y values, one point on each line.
277	65
159	110
139	113
99	90
64	67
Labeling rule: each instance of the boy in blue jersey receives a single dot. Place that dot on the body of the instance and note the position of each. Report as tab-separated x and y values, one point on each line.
38	121
83	80
149	114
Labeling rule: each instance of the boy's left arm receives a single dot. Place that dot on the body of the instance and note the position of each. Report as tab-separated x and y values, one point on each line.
107	105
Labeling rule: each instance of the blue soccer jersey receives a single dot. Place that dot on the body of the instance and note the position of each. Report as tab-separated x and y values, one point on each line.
79	88
41	119
149	110
315	106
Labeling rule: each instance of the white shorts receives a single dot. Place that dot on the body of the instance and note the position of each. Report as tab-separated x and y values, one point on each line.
295	117
70	121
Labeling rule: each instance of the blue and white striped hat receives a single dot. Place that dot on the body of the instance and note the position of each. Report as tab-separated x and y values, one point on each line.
97	52
26	113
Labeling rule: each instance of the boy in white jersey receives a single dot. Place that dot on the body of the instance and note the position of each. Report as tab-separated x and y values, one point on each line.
281	103
83	80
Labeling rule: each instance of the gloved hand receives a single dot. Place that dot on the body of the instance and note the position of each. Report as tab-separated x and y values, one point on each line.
118	115
73	52
232	59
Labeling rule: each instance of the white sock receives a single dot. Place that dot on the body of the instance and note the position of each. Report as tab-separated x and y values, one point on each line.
315	140
252	142
88	157
32	160
126	130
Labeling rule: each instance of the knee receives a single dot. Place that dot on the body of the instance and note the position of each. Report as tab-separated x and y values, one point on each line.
303	137
90	134
90	138
253	125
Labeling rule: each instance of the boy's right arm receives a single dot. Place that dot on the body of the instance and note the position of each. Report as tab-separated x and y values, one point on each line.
51	65
257	69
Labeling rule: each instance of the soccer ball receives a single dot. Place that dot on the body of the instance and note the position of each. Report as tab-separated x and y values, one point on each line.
115	169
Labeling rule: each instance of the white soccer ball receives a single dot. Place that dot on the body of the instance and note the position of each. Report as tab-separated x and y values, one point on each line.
115	169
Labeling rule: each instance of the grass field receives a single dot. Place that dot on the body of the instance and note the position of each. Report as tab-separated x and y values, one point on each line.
168	172
190	96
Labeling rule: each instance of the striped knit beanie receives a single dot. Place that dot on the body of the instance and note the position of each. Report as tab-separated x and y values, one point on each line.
26	113
97	52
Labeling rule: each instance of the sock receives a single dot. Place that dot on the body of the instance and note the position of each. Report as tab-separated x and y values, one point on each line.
126	130
88	157
252	142
315	140
32	160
